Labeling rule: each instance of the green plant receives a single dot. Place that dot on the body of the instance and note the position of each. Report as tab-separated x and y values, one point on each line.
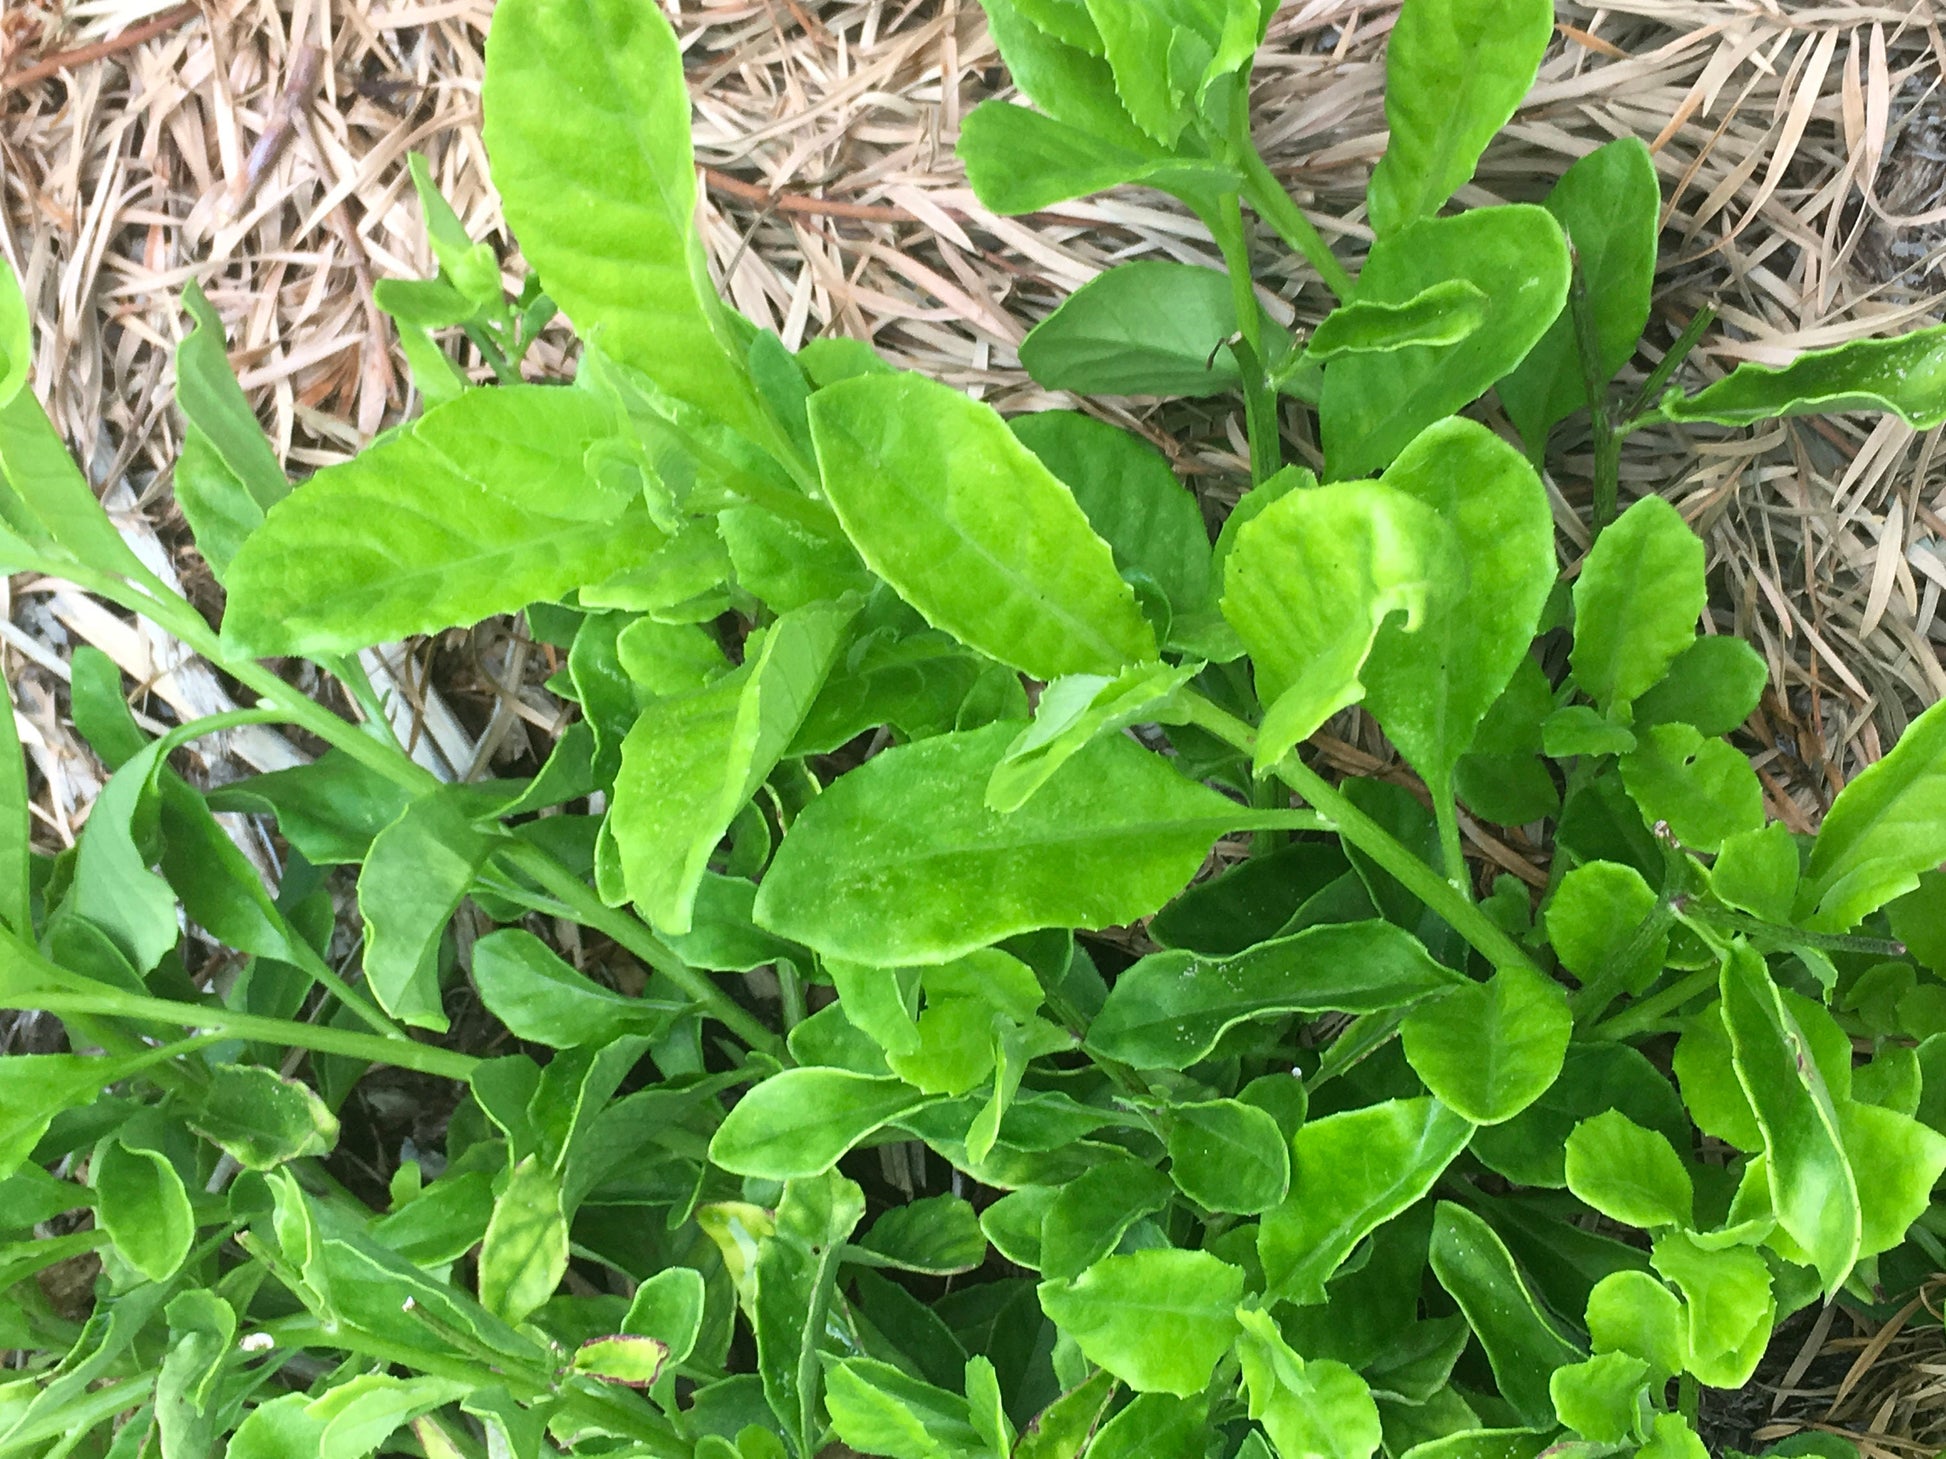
1355	1159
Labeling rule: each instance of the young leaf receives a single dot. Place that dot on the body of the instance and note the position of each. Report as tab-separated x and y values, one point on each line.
1812	1187
1228	1156
799	1122
1160	1320
1488	1050
1636	603
1320	1407
1704	791
1523	1344
669	1308
587	123
691	763
227	476
543	1000
900	862
1310	584
1906	1161
1089	1215
112	888
937	1235
525	1253
1169	1009
413	879
1631	1312
1132	499
1351	1173
1905	375
502	513
1602	1398
1151	327
1454	72
142	1204
1728	1303
1713	686
1629	1174
1372	405
1444	314
1885	829
1431	688
1592	919
1075	711
1019	161
971	529
1609	204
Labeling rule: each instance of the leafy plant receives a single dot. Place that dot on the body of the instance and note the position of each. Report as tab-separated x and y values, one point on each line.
1329	1154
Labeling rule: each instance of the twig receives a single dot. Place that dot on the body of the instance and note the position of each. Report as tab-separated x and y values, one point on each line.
60	61
306	66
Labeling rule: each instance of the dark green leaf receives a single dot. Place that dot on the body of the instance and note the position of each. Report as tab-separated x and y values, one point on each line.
937	1235
1714	685
543	1000
1151	327
1445	314
1170	1008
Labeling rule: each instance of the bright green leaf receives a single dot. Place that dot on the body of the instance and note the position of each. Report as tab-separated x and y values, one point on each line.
1905	375
1150	327
1885	829
1488	1050
143	1206
1636	603
1160	1320
1316	1409
1704	791
525	1253
1228	1156
1523	1343
799	1122
1629	1174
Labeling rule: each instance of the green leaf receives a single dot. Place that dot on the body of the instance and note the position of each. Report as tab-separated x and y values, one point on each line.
936	1235
1317	1408
543	1000
785	563
262	1119
1372	405
691	763
202	1327
330	810
1883	832
971	529
1906	1160
1228	1156
1151	327
482	505
1593	919
227	476
1065	1426
143	1206
1019	161
1905	375
1523	1344
112	887
1631	1312
1132	499
1488	1050
1704	791
1671	1437
634	1361
587	122
1073	712
1636	603
470	268
1444	314
1160	1320
417	871
1155	1426
16	836
1812	1187
278	1429
1530	1148
1714	685
1454	72
877	1409
1091	1213
799	1122
796	1269
1610	205
901	862
1430	689
34	1088
525	1253
1629	1174
1604	1398
1169	1009
1727	1299
361	1413
669	1308
44	498
1581	730
1350	1174
1757	872
1310	584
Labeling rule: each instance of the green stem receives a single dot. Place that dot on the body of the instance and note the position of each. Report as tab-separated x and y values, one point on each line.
1646	398
1259	404
1607	441
1591	1000
1642	1016
1371	838
1783	937
1275	207
1452	851
633	935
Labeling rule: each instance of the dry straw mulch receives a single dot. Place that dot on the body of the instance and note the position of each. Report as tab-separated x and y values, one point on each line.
1802	149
